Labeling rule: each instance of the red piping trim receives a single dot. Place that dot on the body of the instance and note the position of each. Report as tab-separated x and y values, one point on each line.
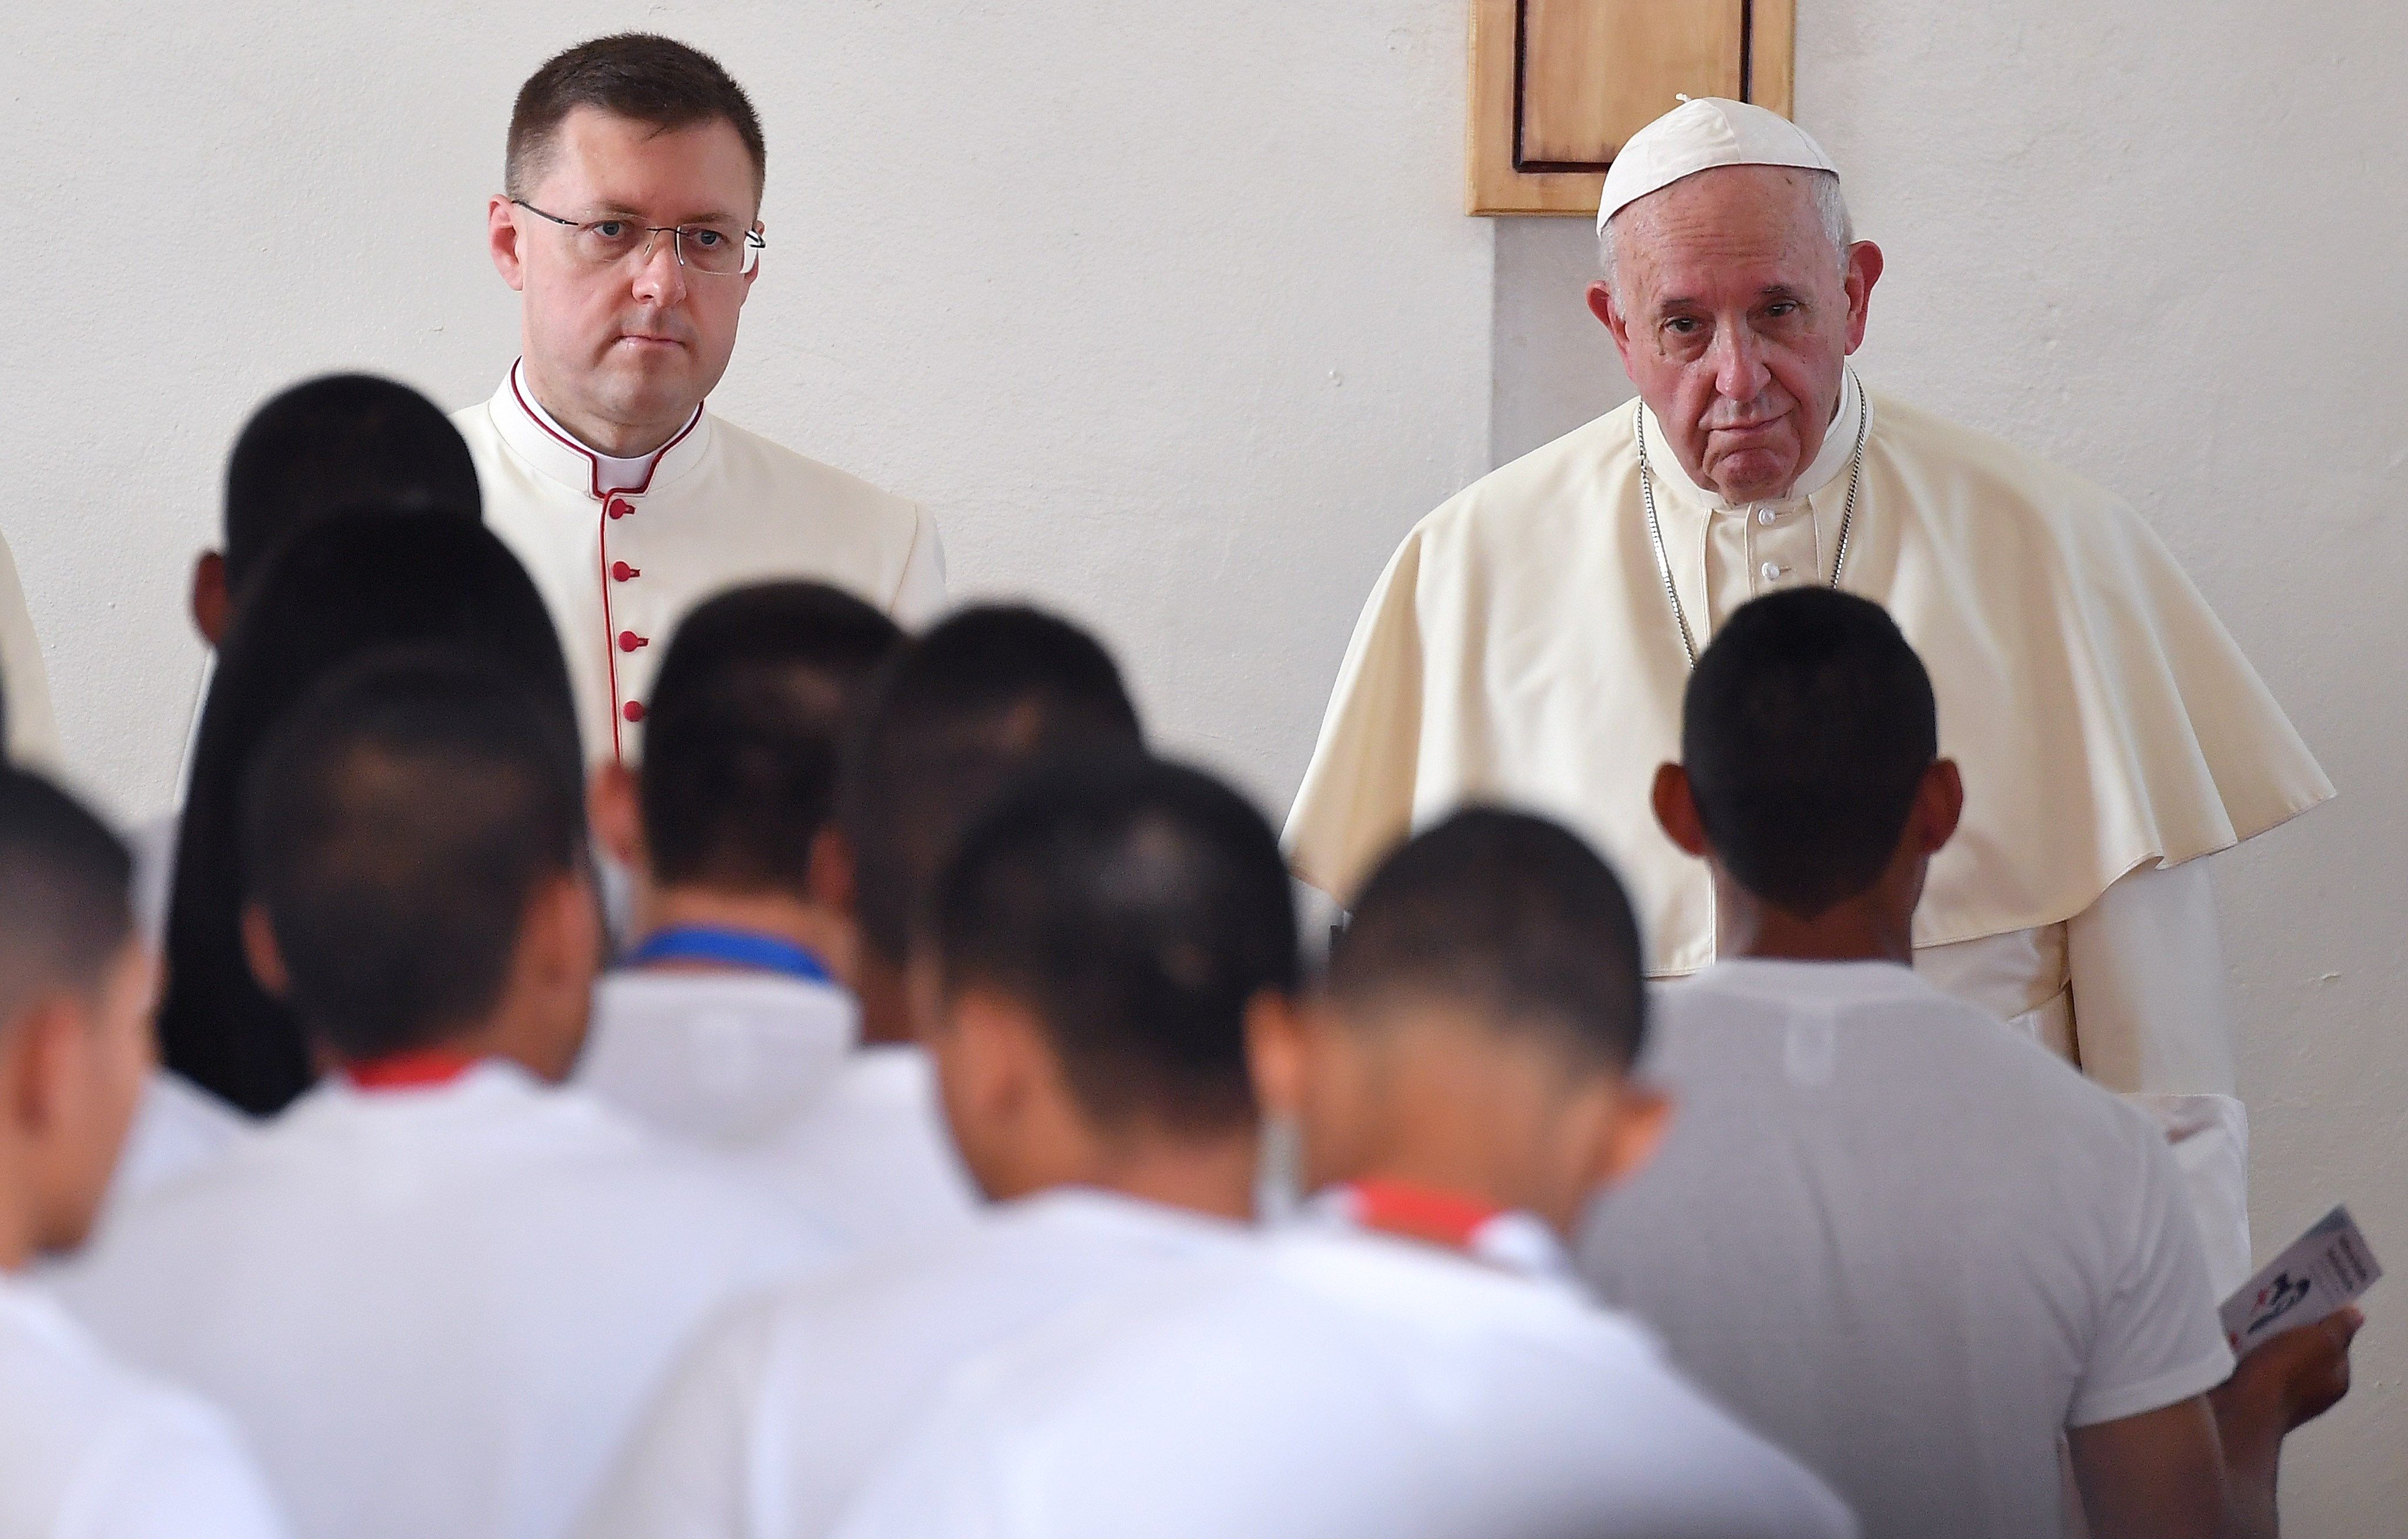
419	1070
602	529
1420	1212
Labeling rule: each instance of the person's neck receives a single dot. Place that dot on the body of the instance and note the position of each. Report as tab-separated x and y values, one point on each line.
611	439
1213	1175
18	1243
778	916
1865	929
886	999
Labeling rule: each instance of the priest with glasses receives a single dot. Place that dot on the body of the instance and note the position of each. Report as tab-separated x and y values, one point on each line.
629	224
1531	640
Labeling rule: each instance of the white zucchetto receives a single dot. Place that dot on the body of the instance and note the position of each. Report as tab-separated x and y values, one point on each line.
1700	134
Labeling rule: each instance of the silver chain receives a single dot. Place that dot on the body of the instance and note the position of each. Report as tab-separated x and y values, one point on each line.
1655	527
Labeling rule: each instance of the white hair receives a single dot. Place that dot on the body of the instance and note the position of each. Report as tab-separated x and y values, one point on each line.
1830	206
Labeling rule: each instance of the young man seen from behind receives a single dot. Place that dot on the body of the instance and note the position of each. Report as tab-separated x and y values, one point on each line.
435	1289
89	1450
1420	1365
731	1011
1854	1236
1097	949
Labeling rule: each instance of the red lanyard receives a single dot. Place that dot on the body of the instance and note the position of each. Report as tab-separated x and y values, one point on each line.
1420	1212
421	1069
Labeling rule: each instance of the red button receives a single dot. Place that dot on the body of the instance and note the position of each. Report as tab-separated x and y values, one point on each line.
621	572
618	507
629	641
633	711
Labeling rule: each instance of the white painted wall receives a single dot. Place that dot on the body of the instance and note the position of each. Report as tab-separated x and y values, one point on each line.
2161	242
1171	314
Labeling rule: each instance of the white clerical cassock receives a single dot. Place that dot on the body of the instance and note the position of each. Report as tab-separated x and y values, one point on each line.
622	548
1521	646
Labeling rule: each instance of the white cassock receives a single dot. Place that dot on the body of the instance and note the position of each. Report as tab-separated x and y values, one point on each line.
1852	1239
766	1070
1337	1385
622	548
1520	647
177	1128
24	683
774	1419
89	1449
433	1311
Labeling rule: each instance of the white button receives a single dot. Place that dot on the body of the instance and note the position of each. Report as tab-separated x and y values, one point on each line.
1766	515
1772	572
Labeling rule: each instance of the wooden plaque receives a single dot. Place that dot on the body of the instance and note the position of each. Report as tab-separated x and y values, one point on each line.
1557	85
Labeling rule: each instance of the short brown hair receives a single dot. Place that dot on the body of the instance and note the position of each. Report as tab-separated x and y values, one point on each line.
638	75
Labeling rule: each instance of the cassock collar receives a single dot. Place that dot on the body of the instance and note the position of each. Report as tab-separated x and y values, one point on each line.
529	429
1829	464
1508	1240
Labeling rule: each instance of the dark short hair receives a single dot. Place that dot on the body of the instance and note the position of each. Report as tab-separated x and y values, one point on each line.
638	75
63	878
335	442
1136	908
959	712
339	588
743	729
1806	730
399	820
1507	914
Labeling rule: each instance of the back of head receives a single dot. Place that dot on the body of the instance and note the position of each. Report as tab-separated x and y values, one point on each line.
962	711
63	909
1806	730
742	733
399	821
339	588
1136	908
1508	917
339	442
639	76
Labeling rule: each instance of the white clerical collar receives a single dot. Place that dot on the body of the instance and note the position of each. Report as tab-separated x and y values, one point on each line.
603	473
1830	461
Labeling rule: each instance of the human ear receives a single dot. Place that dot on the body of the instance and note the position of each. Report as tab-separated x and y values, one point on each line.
258	949
1864	271
987	1072
1939	805
616	805
1617	325
212	606
828	875
502	240
1278	1056
1641	1113
1676	811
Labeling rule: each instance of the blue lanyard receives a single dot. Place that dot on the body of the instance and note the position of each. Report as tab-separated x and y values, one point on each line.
735	947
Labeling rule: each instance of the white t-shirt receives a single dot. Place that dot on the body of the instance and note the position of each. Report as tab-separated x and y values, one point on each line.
1905	1243
177	1126
433	1311
92	1450
722	1058
1337	1386
774	1419
871	1156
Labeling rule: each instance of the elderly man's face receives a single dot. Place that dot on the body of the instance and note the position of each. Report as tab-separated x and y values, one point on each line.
1733	316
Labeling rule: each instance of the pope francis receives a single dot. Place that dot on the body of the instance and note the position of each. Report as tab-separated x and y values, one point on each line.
1531	639
629	224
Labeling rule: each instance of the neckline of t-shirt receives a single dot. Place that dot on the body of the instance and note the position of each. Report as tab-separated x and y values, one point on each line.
1785	977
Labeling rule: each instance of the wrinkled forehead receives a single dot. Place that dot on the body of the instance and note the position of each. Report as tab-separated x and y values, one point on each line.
1753	223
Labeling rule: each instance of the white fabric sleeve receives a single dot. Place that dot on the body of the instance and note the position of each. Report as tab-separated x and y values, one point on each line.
687	1471
2159	1341
2153	1021
24	683
172	1469
919	598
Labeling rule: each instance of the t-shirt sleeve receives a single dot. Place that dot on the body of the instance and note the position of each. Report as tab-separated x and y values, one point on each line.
686	1472
172	1468
2158	1340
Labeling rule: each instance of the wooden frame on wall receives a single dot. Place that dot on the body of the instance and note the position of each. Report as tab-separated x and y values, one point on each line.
1544	126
